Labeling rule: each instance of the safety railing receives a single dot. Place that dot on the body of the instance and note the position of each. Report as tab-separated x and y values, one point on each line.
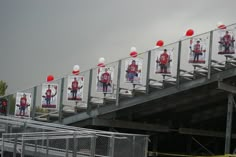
74	143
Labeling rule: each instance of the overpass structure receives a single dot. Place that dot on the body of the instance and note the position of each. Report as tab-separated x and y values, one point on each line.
189	110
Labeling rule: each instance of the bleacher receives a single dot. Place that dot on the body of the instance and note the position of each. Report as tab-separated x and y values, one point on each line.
192	96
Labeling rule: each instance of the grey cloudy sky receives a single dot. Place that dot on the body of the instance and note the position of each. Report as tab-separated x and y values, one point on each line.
42	37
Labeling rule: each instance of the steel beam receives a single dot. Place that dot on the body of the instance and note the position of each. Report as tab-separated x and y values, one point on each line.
200	132
226	87
129	125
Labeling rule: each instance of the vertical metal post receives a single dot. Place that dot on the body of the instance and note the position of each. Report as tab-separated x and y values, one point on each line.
75	144
89	90
34	102
93	146
2	153
133	147
146	147
6	128
10	128
112	145
178	65
43	139
118	83
189	144
47	144
210	55
67	146
8	105
229	123
15	145
148	71
25	126
61	100
23	147
35	147
154	146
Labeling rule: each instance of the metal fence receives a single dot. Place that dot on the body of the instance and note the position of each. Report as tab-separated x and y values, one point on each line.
32	138
73	144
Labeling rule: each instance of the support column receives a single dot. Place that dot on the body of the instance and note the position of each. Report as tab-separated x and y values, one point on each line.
148	72
93	146
34	102
61	101
75	138
23	146
2	147
9	98
178	65
210	54
229	124
111	146
118	84
155	144
189	144
89	107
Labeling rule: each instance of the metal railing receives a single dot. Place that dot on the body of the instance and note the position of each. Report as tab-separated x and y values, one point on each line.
34	138
74	143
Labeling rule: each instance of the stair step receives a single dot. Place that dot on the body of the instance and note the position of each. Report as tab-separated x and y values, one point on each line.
41	119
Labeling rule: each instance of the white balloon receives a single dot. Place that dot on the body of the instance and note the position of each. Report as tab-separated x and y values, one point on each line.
132	49
101	60
76	68
219	24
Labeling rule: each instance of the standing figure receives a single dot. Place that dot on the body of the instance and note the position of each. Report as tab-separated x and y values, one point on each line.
75	84
106	80
163	61
3	106
23	104
132	71
48	95
226	42
74	88
197	50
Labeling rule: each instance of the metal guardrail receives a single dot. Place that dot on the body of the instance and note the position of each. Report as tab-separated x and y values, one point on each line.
73	143
22	136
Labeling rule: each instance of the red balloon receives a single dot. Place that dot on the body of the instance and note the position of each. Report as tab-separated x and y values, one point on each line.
222	26
75	72
133	54
160	43
189	32
50	78
101	65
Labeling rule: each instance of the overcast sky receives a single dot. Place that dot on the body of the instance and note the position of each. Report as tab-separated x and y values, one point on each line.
42	37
